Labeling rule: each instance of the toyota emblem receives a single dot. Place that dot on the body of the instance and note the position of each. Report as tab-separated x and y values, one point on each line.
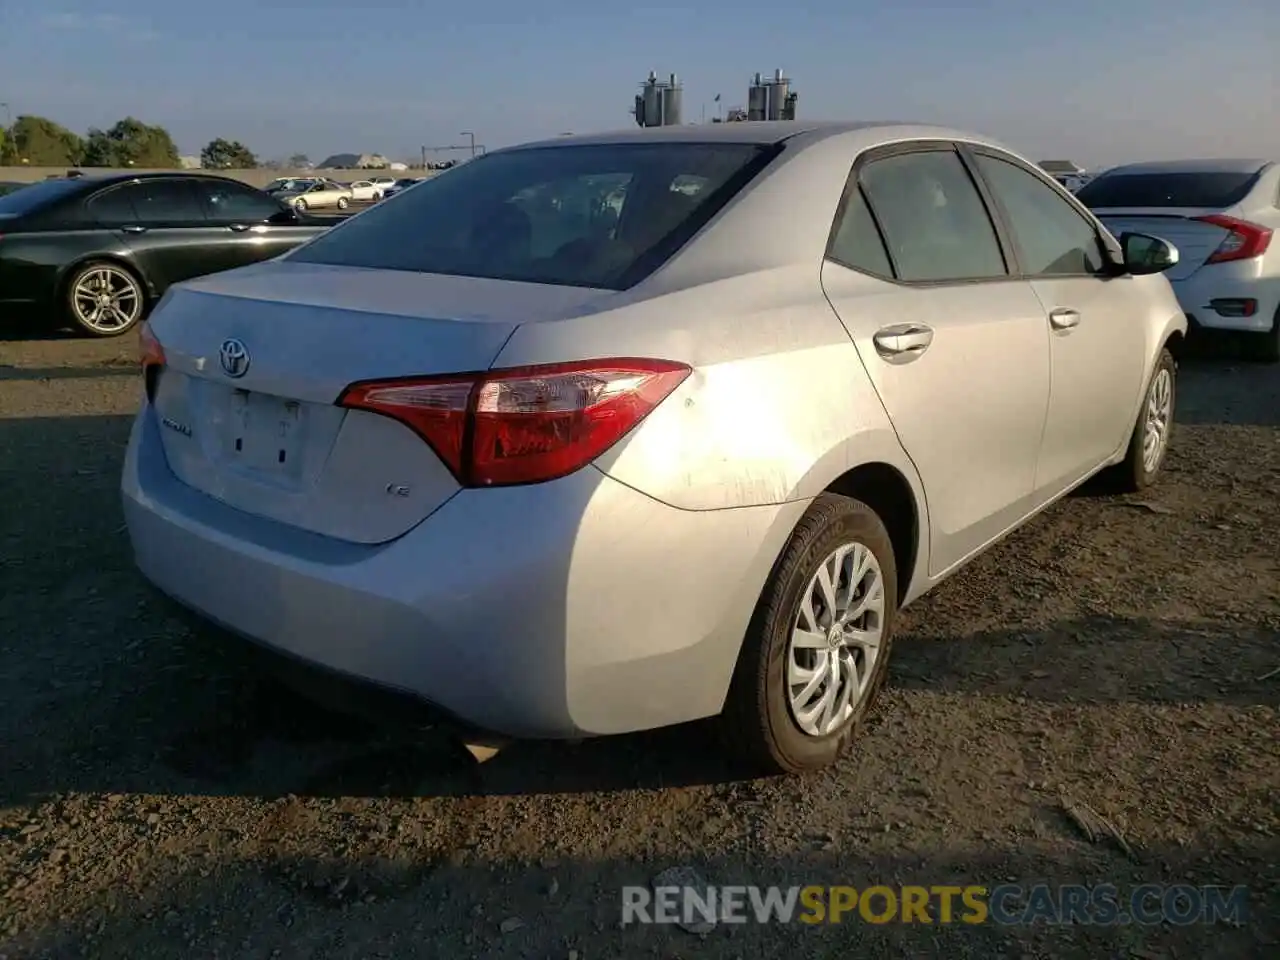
234	357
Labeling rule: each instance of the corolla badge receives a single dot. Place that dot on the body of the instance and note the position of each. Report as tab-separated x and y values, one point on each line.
234	357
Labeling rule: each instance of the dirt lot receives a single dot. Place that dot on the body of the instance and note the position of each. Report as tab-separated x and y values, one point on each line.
158	800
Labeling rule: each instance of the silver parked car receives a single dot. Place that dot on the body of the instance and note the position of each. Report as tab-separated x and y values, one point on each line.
1222	214
650	426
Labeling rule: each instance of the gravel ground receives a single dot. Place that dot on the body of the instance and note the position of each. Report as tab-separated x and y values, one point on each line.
159	799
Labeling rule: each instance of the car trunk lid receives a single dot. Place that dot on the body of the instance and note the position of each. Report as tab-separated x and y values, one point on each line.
256	358
1196	240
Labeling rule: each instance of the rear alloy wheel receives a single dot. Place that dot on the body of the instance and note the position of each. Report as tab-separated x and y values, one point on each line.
1151	433
817	651
377	197
343	203
104	299
300	205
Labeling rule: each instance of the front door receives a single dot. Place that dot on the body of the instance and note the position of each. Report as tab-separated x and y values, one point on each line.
957	348
253	226
1095	321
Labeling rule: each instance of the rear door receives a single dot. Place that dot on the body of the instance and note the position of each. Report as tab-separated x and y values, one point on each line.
956	346
1098	344
255	226
162	221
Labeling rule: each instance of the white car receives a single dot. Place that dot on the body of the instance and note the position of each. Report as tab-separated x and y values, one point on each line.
1221	215
555	472
404	183
366	191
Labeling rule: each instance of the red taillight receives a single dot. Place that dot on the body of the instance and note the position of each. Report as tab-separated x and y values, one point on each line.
524	424
1244	241
150	353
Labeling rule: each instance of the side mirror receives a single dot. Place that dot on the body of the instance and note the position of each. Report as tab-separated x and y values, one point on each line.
1145	254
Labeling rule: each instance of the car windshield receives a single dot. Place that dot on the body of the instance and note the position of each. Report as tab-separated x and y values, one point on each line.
27	198
600	215
1212	189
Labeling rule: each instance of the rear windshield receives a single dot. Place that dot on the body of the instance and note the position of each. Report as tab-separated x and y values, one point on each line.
590	216
35	195
1167	190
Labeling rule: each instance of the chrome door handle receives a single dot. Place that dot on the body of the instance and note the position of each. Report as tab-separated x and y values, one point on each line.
902	342
1064	318
238	227
133	228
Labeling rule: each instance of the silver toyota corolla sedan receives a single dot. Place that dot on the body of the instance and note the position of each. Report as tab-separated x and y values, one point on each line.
613	432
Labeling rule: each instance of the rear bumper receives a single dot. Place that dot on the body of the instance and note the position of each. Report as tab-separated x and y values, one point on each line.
1229	281
566	609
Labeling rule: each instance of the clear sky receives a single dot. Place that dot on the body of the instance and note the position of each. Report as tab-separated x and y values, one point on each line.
1094	82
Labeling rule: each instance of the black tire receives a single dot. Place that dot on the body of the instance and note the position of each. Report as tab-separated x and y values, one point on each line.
757	720
1265	347
72	316
1132	475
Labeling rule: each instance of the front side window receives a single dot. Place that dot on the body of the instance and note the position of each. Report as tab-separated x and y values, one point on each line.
934	221
599	215
1051	237
234	202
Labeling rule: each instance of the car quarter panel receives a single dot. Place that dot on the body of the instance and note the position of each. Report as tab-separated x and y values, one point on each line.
34	265
777	405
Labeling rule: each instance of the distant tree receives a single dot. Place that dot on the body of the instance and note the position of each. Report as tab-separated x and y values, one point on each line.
40	142
131	143
223	154
299	161
4	146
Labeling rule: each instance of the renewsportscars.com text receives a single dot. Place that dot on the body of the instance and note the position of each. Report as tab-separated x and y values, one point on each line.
1104	904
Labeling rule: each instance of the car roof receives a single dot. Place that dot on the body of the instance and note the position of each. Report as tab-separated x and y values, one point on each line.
1211	165
762	132
102	180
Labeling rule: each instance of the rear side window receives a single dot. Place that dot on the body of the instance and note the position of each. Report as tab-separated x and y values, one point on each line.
857	242
1209	189
935	224
166	201
593	215
113	206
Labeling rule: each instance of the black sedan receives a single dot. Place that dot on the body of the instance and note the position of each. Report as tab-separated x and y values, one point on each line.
99	251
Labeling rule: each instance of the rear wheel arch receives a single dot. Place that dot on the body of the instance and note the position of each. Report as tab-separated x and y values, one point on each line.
69	271
884	489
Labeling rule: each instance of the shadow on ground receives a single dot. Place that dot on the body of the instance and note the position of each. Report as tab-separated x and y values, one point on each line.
268	903
106	691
